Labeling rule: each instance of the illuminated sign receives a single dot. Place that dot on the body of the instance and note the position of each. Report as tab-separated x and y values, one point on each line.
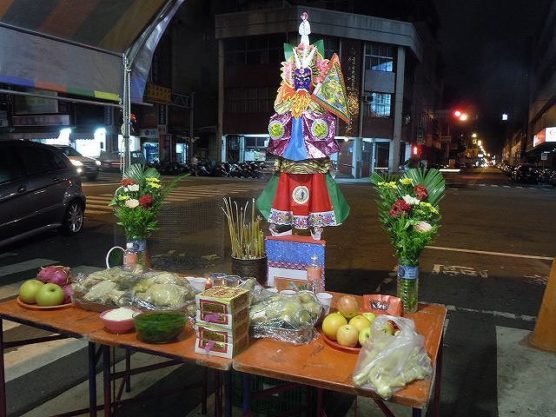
544	135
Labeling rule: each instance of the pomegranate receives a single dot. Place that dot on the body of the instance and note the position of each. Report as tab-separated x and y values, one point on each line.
348	306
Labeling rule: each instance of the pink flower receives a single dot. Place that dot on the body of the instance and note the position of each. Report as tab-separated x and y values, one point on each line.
132	203
423	227
421	192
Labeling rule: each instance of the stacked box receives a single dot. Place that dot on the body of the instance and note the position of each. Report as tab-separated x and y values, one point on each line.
222	325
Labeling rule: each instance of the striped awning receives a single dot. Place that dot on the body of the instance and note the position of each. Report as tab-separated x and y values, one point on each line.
77	46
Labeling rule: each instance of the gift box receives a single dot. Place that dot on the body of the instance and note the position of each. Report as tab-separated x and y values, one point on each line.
228	321
221	334
224	350
289	256
222	301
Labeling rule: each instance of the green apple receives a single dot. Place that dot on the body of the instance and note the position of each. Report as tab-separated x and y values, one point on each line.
50	295
360	322
29	289
347	335
364	335
369	316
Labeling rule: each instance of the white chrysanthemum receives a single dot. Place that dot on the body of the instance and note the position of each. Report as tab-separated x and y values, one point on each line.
133	187
410	200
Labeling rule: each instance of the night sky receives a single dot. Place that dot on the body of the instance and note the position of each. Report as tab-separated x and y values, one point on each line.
486	47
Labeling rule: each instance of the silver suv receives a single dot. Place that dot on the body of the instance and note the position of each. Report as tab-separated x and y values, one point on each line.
39	190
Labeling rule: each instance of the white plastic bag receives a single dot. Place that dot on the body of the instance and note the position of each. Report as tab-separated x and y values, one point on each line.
393	356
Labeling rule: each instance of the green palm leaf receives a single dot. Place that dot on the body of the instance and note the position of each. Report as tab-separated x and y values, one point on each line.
433	181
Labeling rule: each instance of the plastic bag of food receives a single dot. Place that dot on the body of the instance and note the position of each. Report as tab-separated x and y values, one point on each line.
288	318
257	292
393	356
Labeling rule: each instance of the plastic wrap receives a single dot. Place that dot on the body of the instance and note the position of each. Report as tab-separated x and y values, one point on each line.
393	356
288	318
137	288
257	293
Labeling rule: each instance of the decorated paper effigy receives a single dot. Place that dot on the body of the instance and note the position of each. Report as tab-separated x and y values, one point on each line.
302	194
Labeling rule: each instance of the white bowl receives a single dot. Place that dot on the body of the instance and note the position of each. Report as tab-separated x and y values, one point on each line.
198	283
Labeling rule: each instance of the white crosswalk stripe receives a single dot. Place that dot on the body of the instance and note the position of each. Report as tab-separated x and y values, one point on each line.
99	204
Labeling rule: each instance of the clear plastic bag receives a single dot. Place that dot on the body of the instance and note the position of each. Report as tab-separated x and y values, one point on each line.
288	318
123	287
393	356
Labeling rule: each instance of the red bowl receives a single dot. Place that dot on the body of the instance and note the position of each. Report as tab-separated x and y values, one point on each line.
116	326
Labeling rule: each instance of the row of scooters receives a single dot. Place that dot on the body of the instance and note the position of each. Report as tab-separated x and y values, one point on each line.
250	169
529	174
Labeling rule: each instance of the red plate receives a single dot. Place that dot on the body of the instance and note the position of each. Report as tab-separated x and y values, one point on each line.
37	307
336	345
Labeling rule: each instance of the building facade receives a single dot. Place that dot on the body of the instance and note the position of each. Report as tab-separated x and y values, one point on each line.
390	71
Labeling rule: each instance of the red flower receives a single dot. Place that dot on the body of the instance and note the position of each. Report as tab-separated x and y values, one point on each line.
421	192
127	182
146	201
399	208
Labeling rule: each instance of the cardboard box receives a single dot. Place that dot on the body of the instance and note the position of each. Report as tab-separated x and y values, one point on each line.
228	321
224	350
222	300
289	256
221	334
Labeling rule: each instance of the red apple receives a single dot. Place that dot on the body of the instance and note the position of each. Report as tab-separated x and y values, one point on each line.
347	335
50	295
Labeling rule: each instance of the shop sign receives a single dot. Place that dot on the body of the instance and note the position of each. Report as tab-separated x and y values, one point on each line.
162	114
544	135
158	94
42	120
148	133
161	130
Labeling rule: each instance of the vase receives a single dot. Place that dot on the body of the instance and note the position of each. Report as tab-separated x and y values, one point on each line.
408	287
251	268
138	245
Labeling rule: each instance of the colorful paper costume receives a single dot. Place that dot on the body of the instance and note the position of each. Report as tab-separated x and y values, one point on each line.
301	193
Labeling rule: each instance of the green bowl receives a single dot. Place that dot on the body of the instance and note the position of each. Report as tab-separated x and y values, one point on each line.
159	326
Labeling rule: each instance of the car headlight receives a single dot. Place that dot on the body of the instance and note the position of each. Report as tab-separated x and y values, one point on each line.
76	163
98	163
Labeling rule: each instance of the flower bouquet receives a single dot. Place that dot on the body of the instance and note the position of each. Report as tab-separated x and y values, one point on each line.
137	203
408	210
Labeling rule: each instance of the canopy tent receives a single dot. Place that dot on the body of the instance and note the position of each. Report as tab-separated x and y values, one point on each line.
101	49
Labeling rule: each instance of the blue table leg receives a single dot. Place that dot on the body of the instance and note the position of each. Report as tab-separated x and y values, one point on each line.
246	389
92	381
228	394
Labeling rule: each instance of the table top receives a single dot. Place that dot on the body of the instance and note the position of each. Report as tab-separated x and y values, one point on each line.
76	322
320	365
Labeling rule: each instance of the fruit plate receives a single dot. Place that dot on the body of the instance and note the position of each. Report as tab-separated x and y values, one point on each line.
37	307
336	345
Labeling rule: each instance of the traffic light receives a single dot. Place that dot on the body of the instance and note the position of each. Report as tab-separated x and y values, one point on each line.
415	151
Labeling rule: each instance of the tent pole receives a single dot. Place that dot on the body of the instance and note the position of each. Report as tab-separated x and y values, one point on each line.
126	111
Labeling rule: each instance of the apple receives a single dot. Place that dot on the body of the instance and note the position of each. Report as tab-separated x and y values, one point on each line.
347	335
364	335
331	323
50	295
29	289
360	322
369	316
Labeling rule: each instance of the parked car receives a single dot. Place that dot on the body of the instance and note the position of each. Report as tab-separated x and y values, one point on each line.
85	166
113	161
39	190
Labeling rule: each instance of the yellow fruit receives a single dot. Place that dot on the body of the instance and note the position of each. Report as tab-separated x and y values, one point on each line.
360	322
332	323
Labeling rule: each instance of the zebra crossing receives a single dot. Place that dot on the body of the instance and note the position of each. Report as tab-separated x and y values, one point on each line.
99	204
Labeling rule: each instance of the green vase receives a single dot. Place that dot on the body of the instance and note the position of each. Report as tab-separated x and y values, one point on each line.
408	287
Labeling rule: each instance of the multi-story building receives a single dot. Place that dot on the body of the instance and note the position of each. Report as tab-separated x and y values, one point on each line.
541	127
390	70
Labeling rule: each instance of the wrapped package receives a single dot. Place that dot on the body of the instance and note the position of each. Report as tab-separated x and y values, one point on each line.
123	287
393	356
288	318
